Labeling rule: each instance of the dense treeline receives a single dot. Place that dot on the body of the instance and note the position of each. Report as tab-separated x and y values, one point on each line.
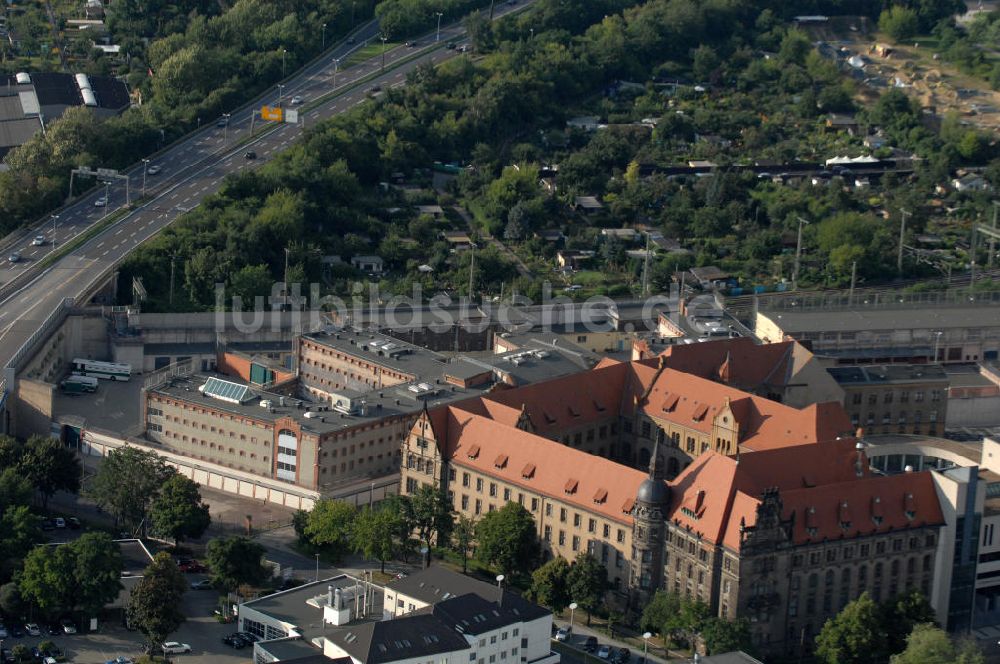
402	18
188	63
320	198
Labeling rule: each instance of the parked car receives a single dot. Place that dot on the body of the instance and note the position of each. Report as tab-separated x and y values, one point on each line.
68	626
73	523
3	632
604	652
190	565
53	651
32	629
47	524
203	584
38	241
16	631
54	629
59	522
563	633
234	641
119	660
591	644
623	655
248	637
175	648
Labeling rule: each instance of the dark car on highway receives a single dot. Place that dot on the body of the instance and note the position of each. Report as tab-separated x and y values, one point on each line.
250	155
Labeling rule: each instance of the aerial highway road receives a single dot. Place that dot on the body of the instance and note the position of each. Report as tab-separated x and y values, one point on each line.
189	171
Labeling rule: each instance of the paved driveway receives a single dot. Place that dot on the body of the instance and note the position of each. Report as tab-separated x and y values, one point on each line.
200	630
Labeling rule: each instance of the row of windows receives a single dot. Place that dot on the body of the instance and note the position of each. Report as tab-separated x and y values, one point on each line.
889	395
863	550
902	417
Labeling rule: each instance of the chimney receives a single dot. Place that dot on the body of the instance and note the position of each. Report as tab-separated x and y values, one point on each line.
330	596
338	599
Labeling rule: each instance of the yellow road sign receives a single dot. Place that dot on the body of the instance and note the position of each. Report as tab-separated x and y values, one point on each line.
272	113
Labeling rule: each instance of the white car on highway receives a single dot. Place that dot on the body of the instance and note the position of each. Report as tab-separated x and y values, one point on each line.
175	648
101	202
38	241
296	100
153	170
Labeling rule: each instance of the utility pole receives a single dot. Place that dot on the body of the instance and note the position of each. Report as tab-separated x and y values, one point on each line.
645	269
383	38
173	261
854	279
54	217
798	255
107	197
145	164
437	35
972	254
472	268
492	2
324	36
903	214
285	306
989	256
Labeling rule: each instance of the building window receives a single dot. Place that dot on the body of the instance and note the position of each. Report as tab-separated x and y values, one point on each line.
591	525
621	535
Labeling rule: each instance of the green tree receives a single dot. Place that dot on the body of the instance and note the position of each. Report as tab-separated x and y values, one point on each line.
550	584
236	561
721	636
373	533
50	466
46	579
431	514
329	525
899	22
15	489
898	617
97	570
300	518
154	602
506	539
587	582
11	601
659	611
127	483
463	536
853	635
178	512
927	644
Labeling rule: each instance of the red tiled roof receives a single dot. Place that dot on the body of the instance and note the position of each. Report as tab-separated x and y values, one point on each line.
877	505
543	465
739	361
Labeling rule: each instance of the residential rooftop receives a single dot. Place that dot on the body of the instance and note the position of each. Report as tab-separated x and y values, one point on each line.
888	374
436	583
918	316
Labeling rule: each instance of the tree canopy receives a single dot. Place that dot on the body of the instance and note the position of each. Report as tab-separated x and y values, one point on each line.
507	539
178	511
235	561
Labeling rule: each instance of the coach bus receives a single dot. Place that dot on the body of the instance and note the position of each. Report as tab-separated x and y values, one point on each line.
107	370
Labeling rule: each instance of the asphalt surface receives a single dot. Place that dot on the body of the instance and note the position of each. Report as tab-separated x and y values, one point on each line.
192	170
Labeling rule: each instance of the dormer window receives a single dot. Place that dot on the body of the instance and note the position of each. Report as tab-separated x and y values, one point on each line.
700	412
528	471
571	485
501	461
601	496
474	451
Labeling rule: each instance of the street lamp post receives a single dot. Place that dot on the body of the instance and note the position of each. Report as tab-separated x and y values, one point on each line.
317	567
798	255
107	197
324	36
225	129
145	165
645	646
336	68
937	340
572	613
54	217
437	36
283	52
281	93
500	578
383	38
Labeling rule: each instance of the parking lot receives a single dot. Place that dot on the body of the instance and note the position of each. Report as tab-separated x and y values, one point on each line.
201	631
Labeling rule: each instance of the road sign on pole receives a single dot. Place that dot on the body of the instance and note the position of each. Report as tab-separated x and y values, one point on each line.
291	116
272	113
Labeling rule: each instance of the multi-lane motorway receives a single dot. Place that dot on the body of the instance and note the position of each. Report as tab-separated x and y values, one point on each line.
189	171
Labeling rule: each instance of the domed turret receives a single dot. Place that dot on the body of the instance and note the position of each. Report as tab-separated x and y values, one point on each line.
653	492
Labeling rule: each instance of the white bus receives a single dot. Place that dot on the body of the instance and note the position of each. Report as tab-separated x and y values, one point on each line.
108	370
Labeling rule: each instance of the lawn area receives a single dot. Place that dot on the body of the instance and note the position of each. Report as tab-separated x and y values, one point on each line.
366	53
